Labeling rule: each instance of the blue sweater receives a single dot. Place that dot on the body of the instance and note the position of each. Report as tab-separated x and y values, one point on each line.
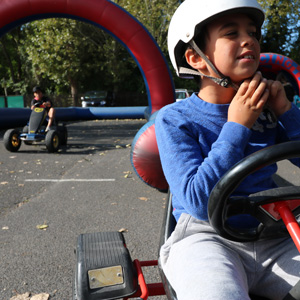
197	146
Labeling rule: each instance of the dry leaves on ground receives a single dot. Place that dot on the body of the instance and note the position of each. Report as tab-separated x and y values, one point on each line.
27	296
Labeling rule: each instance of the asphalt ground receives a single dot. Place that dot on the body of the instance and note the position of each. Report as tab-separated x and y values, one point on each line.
88	186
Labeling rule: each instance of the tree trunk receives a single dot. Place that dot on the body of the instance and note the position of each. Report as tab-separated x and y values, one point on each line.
74	91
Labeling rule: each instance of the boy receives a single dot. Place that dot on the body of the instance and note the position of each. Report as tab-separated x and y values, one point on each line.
40	99
235	113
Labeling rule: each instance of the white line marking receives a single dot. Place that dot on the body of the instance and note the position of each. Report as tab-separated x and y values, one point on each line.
69	180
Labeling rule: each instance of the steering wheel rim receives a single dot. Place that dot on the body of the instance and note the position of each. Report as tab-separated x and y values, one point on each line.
221	206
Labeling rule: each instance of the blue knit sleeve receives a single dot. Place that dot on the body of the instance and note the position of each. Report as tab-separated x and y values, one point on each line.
290	121
194	160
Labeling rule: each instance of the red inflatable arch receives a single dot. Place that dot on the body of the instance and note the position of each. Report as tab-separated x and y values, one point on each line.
116	21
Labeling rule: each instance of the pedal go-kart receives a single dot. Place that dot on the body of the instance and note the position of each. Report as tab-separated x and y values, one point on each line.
105	269
34	133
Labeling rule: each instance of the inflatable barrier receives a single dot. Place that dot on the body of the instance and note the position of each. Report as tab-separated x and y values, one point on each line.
18	117
272	65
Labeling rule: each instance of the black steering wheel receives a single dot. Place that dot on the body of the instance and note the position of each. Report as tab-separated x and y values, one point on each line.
221	206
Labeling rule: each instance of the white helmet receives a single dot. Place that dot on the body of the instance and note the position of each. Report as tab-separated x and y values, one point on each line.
192	15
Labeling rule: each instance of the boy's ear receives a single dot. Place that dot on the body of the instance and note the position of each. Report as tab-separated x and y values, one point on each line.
195	60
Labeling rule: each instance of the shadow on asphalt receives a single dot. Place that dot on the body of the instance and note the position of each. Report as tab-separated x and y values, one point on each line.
93	136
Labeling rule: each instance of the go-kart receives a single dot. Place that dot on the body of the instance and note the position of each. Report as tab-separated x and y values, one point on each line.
34	132
105	269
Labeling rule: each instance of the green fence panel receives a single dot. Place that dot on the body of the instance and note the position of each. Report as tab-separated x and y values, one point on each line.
2	102
15	101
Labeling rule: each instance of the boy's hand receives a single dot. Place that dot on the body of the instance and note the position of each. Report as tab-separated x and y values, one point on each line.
249	101
278	101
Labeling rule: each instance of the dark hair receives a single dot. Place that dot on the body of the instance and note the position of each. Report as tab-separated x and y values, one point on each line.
36	89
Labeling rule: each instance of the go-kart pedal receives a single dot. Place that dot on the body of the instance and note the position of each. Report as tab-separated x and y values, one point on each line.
104	267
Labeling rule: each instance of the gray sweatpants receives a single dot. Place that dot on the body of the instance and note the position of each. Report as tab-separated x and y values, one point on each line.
199	264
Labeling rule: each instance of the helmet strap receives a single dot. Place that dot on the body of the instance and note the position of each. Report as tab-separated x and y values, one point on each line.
223	81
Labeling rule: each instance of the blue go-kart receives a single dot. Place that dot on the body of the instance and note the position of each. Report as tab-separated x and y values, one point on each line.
34	133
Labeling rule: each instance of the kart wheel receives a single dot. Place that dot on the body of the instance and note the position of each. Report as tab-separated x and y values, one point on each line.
12	141
52	141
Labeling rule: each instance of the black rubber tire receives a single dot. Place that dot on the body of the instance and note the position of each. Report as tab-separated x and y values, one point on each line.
52	141
12	141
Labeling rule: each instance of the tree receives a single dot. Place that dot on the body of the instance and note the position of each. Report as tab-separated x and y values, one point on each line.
13	64
56	52
281	28
155	15
78	55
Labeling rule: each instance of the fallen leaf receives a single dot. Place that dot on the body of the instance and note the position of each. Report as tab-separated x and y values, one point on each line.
5	228
42	296
42	227
127	173
25	296
143	198
118	147
12	157
4	182
128	145
123	230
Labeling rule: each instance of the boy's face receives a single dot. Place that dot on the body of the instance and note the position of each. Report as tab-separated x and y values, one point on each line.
37	95
232	46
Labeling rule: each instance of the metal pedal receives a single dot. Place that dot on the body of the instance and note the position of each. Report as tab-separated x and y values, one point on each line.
104	267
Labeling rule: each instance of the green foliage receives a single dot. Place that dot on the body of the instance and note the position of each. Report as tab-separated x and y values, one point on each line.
155	15
282	27
72	54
